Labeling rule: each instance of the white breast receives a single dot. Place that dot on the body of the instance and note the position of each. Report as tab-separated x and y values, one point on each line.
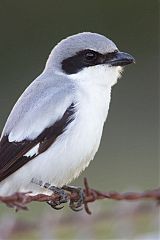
92	112
93	97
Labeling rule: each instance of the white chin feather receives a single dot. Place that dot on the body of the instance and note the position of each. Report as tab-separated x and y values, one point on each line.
120	71
103	75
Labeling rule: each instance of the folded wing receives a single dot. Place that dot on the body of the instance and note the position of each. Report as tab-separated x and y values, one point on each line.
31	129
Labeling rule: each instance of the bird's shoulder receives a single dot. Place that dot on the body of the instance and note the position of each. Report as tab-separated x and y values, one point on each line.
41	104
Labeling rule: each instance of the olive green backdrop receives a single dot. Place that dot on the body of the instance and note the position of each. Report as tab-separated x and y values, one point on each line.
128	155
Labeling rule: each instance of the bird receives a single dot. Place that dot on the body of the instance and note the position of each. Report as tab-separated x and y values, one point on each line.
55	128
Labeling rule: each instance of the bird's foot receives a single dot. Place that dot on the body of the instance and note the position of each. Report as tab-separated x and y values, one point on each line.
75	205
63	197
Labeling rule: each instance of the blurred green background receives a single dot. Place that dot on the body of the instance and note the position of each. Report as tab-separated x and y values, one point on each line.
128	155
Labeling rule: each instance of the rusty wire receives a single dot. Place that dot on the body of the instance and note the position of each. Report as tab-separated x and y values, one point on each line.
20	200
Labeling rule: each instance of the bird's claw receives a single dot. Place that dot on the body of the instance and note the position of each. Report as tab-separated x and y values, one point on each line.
75	205
55	205
63	197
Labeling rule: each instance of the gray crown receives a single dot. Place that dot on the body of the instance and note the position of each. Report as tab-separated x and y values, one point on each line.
71	45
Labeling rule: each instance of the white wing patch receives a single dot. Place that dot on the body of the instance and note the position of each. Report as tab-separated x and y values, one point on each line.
32	152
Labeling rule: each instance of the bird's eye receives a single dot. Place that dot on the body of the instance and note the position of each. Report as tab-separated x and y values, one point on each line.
90	55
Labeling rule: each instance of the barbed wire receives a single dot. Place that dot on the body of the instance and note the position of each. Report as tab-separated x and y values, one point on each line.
19	200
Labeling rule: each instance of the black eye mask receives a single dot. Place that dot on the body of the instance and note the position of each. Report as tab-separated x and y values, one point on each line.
83	59
87	58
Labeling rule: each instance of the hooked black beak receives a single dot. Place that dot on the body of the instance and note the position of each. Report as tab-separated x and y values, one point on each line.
120	59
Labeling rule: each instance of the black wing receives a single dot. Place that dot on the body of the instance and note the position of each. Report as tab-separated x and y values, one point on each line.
12	153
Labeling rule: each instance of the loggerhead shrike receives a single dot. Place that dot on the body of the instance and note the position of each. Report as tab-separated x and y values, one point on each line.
55	128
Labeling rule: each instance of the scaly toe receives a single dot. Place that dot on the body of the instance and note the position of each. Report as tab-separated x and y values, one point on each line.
54	205
75	208
75	204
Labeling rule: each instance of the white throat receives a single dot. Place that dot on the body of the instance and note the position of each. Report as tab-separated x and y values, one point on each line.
100	75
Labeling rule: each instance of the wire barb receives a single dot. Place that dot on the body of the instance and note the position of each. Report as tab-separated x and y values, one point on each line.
19	201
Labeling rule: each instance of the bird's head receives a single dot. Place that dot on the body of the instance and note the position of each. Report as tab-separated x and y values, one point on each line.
89	56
